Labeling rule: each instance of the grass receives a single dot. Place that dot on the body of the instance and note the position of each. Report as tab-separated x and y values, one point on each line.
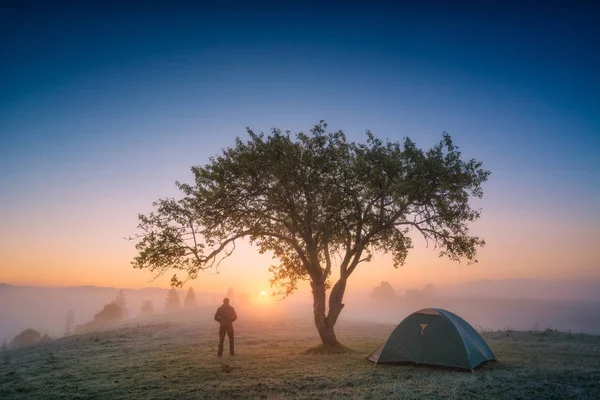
178	360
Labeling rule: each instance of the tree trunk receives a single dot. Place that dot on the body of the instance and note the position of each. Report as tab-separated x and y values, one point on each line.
325	330
335	301
325	323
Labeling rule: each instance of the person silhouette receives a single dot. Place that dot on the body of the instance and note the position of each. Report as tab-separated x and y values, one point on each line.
225	316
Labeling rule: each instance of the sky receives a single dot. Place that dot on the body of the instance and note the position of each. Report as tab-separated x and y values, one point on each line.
104	107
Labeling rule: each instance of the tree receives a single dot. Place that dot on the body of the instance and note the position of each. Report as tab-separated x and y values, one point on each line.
147	308
110	313
69	322
28	336
172	303
428	291
121	301
383	292
190	298
317	203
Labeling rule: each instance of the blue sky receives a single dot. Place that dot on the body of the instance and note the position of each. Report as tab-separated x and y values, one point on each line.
102	109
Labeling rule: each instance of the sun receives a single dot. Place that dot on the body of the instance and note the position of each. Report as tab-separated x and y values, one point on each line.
264	297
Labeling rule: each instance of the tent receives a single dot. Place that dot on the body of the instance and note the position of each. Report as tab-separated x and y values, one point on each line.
436	337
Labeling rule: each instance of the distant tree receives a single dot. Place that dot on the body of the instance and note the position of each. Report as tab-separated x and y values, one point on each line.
190	299
316	202
121	301
111	313
28	336
429	290
383	292
231	295
69	322
147	309
172	303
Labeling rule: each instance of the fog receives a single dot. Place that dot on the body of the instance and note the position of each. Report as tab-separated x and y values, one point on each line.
496	305
45	309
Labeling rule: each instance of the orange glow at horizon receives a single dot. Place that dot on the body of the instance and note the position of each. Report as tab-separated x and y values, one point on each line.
61	259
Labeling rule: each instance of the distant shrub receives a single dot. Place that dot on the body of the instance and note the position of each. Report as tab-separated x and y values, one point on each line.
52	359
28	336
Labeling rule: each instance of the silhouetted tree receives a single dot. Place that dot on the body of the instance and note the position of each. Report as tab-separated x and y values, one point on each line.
111	312
69	322
121	301
316	202
147	309
383	292
28	336
190	299
172	303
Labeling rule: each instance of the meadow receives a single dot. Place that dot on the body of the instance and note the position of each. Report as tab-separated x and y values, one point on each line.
159	359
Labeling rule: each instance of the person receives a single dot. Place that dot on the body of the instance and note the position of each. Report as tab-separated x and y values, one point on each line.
225	316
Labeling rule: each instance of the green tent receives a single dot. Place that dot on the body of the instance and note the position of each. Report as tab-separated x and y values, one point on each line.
434	337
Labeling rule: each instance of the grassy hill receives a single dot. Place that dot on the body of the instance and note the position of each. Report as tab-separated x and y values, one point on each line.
177	359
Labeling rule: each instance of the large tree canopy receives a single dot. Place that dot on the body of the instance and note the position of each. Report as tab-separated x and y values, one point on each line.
316	202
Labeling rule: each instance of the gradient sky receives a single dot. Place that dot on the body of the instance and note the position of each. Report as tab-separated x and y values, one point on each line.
102	109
